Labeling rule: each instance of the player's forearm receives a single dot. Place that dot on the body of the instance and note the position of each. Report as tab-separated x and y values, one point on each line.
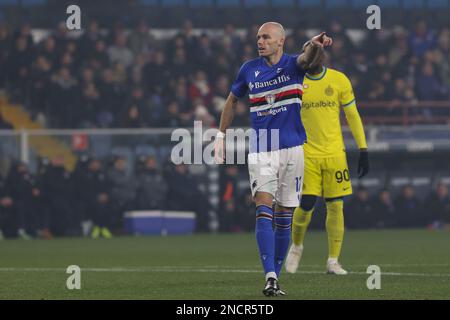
309	58
228	113
356	126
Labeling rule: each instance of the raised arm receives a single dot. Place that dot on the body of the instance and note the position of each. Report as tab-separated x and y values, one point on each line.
312	51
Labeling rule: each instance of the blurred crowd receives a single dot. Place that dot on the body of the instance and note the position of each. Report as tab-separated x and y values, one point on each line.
363	210
115	78
92	200
131	79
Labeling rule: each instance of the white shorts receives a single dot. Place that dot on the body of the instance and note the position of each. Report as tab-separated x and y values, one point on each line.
279	173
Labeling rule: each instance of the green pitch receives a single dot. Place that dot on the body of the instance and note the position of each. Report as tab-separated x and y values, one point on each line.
414	264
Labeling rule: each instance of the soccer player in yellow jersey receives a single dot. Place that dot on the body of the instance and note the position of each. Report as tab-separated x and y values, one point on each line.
325	93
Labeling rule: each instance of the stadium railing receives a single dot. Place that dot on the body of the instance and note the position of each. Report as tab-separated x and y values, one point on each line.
133	143
396	112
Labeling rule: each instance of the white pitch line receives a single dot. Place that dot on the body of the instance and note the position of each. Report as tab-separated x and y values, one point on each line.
206	270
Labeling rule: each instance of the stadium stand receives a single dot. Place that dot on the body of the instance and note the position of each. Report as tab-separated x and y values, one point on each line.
104	78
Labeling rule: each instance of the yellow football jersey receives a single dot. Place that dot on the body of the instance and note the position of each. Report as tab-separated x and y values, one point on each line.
323	96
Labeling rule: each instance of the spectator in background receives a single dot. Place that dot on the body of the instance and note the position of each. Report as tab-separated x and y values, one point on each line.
61	35
63	99
120	75
204	52
408	208
180	66
18	68
71	48
31	212
66	61
82	194
111	99
57	189
399	52
421	39
359	212
185	195
152	187
48	50
97	194
222	87
171	118
200	88
98	58
438	207
338	32
137	97
11	223
91	106
141	40
231	44
119	52
90	38
220	67
377	91
132	118
40	85
202	114
384	210
190	40
123	189
136	78
428	85
157	66
300	36
359	71
338	55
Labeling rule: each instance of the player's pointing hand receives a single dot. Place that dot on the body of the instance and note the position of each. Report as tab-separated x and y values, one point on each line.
322	40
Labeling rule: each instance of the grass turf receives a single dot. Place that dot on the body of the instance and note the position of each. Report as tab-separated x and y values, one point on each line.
416	264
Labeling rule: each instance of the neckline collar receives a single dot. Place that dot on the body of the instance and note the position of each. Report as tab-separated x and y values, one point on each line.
317	76
264	62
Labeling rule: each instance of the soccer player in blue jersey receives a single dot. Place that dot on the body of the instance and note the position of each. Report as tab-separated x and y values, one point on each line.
275	161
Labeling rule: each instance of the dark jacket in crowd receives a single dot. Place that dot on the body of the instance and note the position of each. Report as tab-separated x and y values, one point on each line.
152	190
58	193
359	211
409	211
185	195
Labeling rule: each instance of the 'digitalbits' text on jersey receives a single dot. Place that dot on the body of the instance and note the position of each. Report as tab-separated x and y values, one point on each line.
275	95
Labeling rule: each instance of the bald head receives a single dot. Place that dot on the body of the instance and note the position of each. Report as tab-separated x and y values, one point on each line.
274	28
271	38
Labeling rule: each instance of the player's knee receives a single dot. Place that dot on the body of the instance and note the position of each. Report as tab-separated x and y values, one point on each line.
263	199
308	201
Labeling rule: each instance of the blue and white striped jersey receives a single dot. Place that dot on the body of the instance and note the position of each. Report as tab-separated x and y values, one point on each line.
275	94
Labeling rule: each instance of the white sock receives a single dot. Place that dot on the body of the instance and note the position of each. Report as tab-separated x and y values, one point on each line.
271	275
332	260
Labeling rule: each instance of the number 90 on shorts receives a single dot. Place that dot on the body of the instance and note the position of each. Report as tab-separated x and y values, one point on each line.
327	177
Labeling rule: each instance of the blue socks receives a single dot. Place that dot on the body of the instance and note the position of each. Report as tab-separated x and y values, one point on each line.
265	238
273	245
283	221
